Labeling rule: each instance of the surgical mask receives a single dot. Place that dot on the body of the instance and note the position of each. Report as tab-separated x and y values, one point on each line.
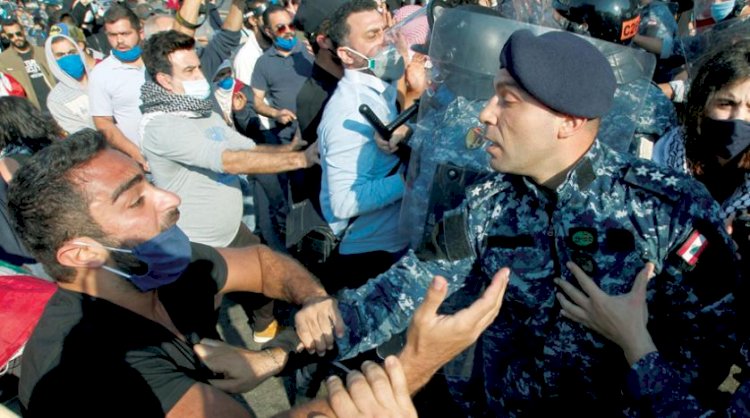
387	64
197	89
720	11
729	137
72	65
166	256
284	43
130	55
225	83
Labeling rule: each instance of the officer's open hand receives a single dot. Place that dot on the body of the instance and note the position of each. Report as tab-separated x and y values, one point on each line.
373	393
317	322
242	369
621	319
434	339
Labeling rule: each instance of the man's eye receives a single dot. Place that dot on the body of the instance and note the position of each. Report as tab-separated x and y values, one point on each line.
137	203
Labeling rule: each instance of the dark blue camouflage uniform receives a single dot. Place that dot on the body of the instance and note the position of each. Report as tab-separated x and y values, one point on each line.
611	215
655	383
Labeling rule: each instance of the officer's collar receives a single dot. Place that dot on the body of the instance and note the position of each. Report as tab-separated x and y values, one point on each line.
580	176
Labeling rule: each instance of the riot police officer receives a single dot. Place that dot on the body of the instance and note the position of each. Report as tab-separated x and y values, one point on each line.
561	195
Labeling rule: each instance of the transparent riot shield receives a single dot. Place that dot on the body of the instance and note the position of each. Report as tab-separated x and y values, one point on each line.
720	35
464	53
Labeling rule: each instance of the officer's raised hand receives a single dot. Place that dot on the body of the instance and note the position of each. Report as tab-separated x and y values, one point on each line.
434	339
621	319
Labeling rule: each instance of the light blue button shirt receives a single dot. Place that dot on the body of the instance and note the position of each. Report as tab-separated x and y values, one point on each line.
355	171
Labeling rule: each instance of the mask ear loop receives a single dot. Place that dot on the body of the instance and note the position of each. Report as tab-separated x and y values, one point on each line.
104	266
370	62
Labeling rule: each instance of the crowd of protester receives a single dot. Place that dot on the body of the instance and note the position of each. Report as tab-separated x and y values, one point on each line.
558	222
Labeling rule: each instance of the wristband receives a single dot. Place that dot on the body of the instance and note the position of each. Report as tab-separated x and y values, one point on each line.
185	23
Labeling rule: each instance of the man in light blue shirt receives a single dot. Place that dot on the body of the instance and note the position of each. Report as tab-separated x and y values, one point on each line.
362	184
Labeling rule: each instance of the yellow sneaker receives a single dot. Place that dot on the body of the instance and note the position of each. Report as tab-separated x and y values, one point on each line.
269	333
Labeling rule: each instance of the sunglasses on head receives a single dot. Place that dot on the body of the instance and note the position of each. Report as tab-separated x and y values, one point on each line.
283	28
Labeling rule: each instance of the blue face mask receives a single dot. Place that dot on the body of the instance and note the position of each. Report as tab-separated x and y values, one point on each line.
72	65
284	43
166	255
226	83
130	55
720	11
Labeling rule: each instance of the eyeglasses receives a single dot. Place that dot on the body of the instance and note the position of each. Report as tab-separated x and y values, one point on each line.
12	35
283	28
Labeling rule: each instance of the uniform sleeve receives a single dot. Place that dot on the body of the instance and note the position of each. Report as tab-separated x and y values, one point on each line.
652	381
693	309
383	307
352	189
100	102
197	147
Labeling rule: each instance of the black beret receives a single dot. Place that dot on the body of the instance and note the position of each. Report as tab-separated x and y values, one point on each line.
311	13
563	71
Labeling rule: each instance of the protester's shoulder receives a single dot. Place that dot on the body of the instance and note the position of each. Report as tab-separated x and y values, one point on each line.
103	69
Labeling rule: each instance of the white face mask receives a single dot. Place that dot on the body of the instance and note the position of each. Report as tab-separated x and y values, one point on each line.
387	64
197	89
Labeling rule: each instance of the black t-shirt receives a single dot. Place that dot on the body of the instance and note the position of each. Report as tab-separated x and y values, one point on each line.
34	70
90	357
11	248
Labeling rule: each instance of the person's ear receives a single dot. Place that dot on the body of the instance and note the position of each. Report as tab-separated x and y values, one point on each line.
570	126
82	252
344	55
165	81
323	41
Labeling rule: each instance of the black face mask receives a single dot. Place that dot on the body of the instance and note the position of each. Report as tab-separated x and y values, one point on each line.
729	138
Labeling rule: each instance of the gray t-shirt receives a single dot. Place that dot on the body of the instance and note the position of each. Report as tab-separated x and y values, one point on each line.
185	156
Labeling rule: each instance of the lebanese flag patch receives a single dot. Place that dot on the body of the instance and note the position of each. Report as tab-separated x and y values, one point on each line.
692	248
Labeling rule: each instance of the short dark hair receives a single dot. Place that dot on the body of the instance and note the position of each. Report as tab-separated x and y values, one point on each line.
274	8
159	46
117	12
48	206
25	126
10	22
339	30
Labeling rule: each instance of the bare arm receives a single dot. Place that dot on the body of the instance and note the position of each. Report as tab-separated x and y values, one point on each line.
261	270
206	401
233	22
116	139
265	162
189	13
283	116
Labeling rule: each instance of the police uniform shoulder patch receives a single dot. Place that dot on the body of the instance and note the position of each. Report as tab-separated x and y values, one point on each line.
653	178
692	248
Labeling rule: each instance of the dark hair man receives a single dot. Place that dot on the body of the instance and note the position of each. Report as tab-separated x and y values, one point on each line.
27	64
135	295
114	85
563	197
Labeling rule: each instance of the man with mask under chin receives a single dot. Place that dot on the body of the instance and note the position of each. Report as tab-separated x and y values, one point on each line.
135	296
114	86
362	184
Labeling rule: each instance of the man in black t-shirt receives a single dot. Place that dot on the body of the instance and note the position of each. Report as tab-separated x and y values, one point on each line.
134	295
27	64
